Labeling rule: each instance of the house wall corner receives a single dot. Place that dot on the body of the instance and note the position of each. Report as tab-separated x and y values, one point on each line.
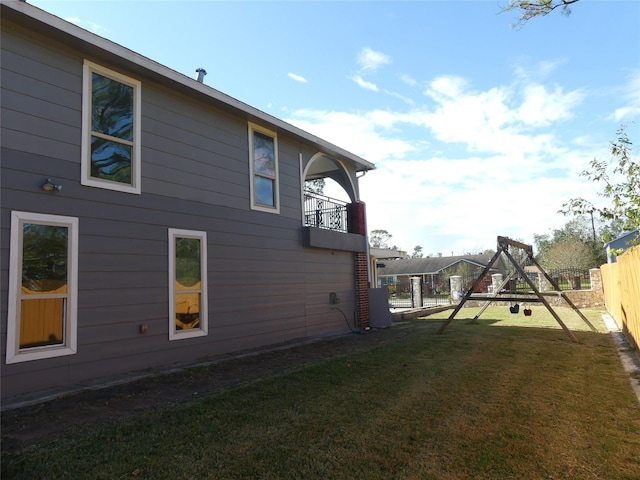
362	289
358	226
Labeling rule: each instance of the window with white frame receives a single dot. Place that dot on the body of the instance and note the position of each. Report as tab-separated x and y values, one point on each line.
110	129
263	161
187	284
43	287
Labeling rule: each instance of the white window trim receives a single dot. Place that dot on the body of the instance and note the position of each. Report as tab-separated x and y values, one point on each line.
136	162
203	330
254	205
14	353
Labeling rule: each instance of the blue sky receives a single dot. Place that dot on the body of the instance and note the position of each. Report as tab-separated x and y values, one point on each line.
477	129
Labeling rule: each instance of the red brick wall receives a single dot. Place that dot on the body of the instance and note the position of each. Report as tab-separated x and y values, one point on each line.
356	218
357	225
362	289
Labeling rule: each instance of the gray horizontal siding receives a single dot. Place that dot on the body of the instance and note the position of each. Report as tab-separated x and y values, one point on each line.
41	96
264	286
24	102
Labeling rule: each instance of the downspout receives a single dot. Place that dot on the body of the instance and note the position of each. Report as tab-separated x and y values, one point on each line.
366	238
367	253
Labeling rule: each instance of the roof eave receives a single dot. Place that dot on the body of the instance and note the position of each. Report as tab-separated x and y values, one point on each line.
92	44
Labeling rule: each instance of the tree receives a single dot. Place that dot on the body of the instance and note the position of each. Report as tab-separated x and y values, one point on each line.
379	238
574	242
315	186
464	269
518	254
529	9
417	252
620	180
569	254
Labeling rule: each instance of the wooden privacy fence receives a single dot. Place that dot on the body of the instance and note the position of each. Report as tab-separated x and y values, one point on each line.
621	284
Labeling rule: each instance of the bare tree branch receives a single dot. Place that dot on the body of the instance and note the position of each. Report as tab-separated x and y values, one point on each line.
537	8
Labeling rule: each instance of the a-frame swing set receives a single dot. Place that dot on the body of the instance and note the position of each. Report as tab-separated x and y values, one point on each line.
503	248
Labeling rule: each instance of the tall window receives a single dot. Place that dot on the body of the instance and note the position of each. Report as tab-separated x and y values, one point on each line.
43	287
187	284
110	130
263	152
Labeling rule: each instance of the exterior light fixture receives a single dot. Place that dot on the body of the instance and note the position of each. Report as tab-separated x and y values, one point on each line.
49	186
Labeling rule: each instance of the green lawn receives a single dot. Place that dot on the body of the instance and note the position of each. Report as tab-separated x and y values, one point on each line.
510	397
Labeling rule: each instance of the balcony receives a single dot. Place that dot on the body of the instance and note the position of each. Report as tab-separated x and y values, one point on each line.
325	212
326	224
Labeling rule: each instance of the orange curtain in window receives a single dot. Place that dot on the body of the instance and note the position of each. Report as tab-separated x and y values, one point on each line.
41	319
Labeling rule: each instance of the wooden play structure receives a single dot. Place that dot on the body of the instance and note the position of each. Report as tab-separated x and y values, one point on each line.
535	295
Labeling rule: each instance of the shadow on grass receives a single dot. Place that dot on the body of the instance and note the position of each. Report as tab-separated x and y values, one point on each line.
502	398
540	318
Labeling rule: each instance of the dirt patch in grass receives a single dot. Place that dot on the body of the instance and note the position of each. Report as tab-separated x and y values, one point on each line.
34	424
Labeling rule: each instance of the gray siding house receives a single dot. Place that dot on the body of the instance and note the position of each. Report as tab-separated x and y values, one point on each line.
148	219
618	245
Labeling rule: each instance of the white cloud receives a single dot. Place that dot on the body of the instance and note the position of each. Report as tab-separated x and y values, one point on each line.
501	119
408	79
297	78
446	87
536	72
460	205
541	107
364	84
362	134
369	60
399	96
466	165
632	108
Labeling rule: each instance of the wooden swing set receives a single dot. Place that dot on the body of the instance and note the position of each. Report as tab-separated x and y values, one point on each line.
535	296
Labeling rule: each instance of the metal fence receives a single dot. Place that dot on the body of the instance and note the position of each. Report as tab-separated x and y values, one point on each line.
401	296
325	212
431	301
571	278
565	278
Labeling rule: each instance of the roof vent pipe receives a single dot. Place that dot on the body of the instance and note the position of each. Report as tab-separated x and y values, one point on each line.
201	73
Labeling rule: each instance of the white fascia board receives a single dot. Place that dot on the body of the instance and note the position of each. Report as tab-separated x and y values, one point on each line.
164	74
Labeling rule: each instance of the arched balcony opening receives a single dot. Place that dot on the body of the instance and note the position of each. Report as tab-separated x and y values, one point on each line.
329	191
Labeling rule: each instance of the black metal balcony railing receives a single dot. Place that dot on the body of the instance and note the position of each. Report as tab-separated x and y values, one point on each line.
325	212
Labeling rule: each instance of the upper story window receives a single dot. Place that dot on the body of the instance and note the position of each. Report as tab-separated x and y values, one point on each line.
110	130
263	153
187	284
42	301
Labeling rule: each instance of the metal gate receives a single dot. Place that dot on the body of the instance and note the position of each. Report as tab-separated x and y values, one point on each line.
403	296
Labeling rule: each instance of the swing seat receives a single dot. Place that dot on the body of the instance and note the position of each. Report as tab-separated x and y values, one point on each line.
527	312
515	308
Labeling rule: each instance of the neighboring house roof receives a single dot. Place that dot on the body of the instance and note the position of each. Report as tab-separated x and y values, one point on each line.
621	243
434	265
623	239
90	43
